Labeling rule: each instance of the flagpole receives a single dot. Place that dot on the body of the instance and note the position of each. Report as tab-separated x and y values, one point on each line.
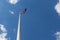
19	28
19	25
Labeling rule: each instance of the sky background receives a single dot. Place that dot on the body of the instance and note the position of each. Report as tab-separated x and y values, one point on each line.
40	21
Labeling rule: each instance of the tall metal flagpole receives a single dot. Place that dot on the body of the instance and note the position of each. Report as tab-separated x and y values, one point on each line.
18	31
19	25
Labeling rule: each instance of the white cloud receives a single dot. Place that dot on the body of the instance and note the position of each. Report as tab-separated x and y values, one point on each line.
4	32
12	12
13	1
57	35
57	8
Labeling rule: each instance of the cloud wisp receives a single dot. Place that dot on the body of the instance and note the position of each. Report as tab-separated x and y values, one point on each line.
3	32
57	8
13	1
57	35
12	12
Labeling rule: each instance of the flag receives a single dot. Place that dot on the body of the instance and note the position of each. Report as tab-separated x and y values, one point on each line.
23	11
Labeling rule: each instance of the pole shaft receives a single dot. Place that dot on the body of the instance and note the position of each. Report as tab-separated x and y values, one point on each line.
19	28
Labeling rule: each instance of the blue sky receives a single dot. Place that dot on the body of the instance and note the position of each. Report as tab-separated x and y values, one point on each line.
40	21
